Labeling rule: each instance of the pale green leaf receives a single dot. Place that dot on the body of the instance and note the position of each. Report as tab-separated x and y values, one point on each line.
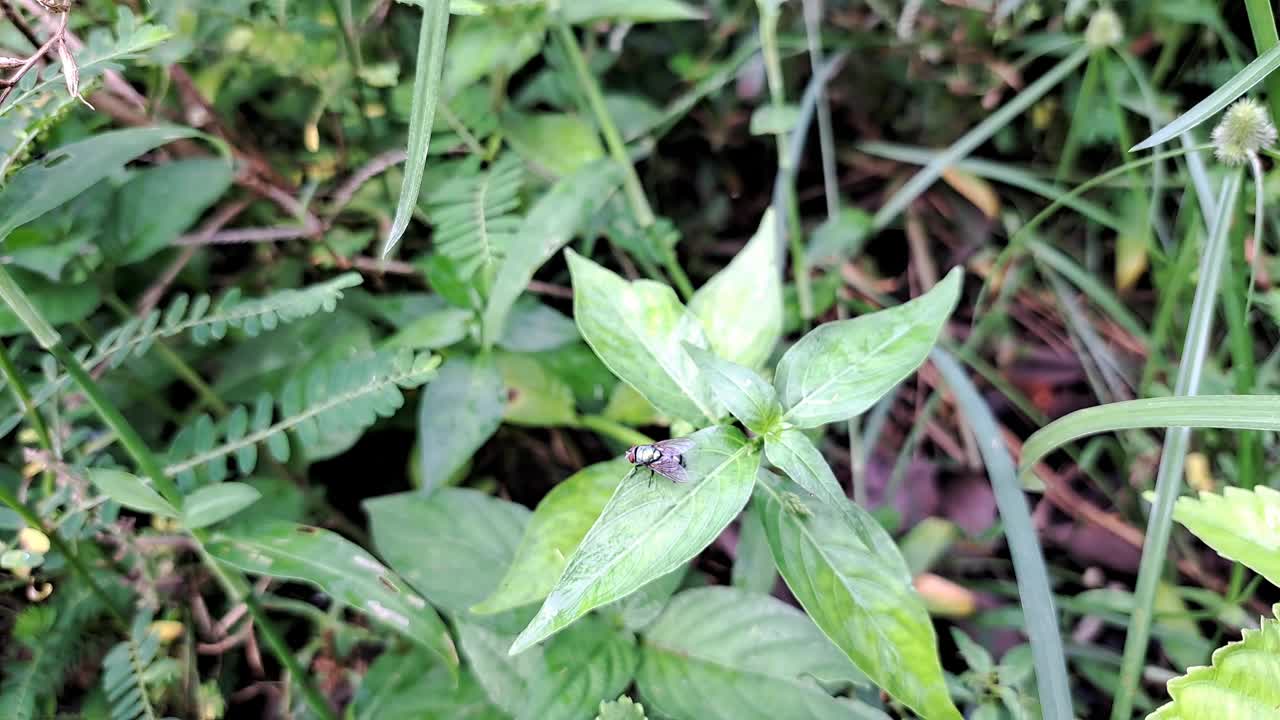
480	46
774	119
647	531
453	546
793	453
71	169
746	395
59	303
849	577
842	368
342	570
624	708
741	306
159	203
535	396
215	503
406	683
557	143
638	329
1242	525
753	567
638	610
1243	683
559	523
131	491
551	223
722	653
585	11
435	329
458	413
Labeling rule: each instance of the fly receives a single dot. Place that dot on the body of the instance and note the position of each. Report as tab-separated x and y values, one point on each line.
665	457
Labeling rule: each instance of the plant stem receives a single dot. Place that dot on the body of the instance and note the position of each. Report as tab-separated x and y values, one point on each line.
634	190
1243	368
23	396
826	134
1263	25
1169	476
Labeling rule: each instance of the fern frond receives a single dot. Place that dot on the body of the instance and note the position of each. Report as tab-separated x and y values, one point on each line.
204	320
473	213
1242	683
125	671
332	399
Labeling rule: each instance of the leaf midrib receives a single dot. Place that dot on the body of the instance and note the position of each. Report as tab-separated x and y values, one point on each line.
852	367
647	342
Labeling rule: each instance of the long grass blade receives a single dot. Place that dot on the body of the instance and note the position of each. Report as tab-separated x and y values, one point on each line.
1252	74
1034	590
426	94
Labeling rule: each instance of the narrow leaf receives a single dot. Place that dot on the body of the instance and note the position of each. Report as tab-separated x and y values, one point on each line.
426	93
344	571
585	11
793	453
131	491
842	368
746	395
215	503
646	532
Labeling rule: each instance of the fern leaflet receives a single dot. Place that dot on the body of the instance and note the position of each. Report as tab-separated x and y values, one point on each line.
333	398
472	213
125	671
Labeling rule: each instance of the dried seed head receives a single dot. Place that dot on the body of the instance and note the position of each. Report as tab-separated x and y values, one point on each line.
70	71
1244	129
11	62
1105	29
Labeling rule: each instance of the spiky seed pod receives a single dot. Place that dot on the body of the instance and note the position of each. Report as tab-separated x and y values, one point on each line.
1245	129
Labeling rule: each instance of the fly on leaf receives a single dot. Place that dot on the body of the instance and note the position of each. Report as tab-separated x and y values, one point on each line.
665	457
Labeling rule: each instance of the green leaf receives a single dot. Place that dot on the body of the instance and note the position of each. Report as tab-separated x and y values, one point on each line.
215	503
558	143
722	652
534	327
753	568
479	47
774	119
1241	525
1239	84
458	413
793	453
840	237
586	11
847	574
342	570
535	396
1239	684
558	525
551	223
408	684
842	368
562	681
436	329
638	610
59	303
624	708
741	306
159	203
474	216
747	396
638	330
646	532
131	491
474	537
71	169
426	93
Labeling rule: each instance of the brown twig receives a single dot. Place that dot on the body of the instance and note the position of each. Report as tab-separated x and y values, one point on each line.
8	84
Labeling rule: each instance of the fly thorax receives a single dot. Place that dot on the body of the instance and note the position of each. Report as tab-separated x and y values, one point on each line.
647	454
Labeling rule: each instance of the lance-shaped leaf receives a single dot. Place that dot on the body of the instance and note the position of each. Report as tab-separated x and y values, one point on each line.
458	413
746	395
1240	684
1241	525
342	570
849	577
215	503
722	652
558	524
793	453
842	368
638	329
647	531
131	491
741	306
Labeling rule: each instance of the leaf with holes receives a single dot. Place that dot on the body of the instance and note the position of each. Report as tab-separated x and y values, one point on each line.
645	531
342	570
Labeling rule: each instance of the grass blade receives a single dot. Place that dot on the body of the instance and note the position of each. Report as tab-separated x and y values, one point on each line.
426	93
930	173
1028	562
1238	85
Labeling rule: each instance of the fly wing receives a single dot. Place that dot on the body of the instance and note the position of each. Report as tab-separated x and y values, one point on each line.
675	446
669	467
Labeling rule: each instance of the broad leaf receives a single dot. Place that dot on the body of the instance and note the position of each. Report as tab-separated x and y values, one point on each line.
59	303
638	329
647	531
559	523
409	684
535	396
458	413
725	653
435	329
1240	524
846	572
453	545
585	11
793	453
741	306
562	681
638	610
753	567
215	503
555	143
534	327
842	368
159	203
551	223
1240	684
71	169
131	491
746	395
342	570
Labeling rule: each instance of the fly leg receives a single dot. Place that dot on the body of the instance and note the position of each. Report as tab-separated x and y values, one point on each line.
650	478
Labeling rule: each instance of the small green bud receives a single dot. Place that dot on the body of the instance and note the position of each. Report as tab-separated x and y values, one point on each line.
1105	29
1244	129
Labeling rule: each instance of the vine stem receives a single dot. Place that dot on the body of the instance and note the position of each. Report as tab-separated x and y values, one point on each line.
150	466
618	150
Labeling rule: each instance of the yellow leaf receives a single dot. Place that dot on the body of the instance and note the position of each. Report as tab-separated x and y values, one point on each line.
975	190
